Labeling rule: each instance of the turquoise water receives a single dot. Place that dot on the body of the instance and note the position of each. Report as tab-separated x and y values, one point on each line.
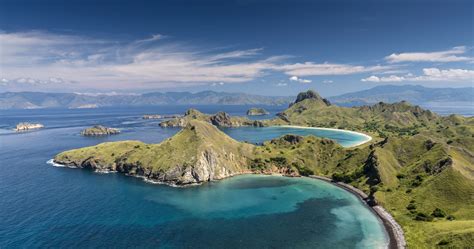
261	134
44	206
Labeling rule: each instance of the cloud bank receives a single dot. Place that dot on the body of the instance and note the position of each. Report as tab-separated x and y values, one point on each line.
452	55
152	62
429	74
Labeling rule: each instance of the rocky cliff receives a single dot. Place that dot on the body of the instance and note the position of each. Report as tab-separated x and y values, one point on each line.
221	119
198	153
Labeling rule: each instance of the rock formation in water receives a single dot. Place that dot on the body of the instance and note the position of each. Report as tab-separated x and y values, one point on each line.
25	126
257	112
221	119
158	116
99	130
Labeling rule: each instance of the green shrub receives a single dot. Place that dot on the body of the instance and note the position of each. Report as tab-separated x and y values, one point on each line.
443	242
423	217
438	213
411	206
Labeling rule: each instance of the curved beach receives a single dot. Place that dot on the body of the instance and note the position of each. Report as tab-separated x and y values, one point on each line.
394	230
367	137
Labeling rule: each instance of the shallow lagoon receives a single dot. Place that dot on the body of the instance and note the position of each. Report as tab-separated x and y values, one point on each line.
44	206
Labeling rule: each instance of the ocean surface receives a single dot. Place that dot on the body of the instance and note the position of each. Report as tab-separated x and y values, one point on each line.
42	206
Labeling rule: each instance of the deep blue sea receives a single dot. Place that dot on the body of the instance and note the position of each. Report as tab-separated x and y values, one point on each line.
42	206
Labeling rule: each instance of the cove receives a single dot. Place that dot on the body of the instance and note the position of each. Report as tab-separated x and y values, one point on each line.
262	134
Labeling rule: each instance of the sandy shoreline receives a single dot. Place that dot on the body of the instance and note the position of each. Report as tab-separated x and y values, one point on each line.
367	137
394	230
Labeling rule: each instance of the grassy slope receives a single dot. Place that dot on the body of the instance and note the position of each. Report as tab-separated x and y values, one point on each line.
409	164
182	149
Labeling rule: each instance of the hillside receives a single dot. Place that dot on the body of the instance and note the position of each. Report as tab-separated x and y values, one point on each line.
414	94
200	152
221	119
419	166
35	100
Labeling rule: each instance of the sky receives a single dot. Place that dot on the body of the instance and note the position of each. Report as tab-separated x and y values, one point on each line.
278	47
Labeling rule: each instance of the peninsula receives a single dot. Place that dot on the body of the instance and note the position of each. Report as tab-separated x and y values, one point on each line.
418	166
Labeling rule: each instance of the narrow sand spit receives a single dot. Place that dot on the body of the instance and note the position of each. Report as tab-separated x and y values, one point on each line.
367	137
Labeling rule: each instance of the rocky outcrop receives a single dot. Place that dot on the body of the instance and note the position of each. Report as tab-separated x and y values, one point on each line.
221	119
99	130
158	116
312	95
371	169
25	126
257	112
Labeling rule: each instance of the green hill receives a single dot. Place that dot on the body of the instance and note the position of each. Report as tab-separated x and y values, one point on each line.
200	152
219	119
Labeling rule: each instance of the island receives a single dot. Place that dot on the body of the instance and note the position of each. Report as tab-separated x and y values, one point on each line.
25	126
158	116
99	130
221	119
417	171
257	112
85	106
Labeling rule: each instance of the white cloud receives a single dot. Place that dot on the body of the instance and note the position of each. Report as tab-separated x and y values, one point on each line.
327	81
153	38
429	74
112	65
281	84
295	78
451	55
313	69
391	78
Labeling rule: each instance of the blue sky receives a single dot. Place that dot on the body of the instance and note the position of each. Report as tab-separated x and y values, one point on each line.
256	46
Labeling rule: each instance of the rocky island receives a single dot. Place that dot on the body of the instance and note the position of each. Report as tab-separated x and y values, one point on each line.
221	119
25	126
419	166
257	112
158	116
99	130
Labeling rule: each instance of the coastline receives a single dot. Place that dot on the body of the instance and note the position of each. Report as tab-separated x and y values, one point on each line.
367	137
394	230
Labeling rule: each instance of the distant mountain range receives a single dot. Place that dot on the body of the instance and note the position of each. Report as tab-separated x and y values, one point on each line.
418	95
35	100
